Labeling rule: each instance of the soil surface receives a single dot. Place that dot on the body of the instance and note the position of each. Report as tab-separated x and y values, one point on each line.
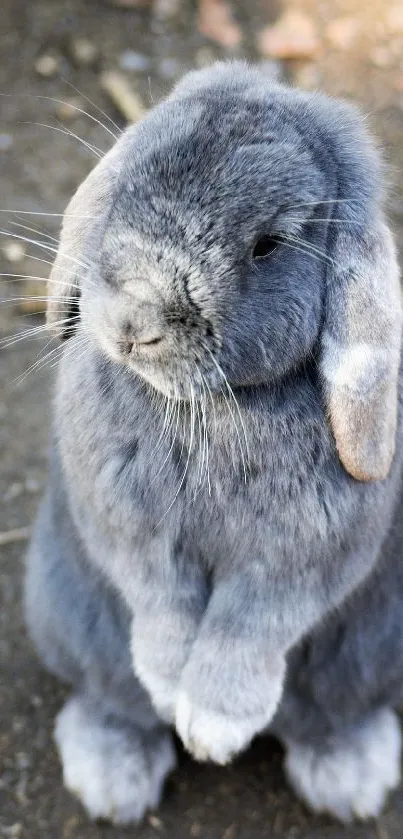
361	57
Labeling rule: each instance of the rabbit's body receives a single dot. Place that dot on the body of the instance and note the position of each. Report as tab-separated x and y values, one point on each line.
219	536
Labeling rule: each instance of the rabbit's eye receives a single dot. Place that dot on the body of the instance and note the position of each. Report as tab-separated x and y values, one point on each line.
264	247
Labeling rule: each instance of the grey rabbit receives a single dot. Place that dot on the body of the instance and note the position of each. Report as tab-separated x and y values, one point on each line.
220	547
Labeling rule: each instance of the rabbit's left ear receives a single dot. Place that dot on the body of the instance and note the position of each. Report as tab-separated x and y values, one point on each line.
361	349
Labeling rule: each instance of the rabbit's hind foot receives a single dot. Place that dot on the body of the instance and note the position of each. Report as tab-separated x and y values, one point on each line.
351	774
116	770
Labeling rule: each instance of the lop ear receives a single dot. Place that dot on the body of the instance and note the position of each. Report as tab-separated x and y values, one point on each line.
361	349
81	223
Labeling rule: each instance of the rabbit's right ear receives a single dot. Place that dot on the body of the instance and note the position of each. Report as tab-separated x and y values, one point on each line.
360	356
82	217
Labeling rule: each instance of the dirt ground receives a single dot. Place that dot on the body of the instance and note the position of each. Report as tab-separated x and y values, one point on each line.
361	57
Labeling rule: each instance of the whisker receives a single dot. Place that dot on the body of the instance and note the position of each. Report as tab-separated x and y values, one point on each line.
192	431
177	415
285	242
310	248
43	213
73	107
232	395
321	220
35	230
99	153
20	278
326	201
38	364
97	108
204	415
46	247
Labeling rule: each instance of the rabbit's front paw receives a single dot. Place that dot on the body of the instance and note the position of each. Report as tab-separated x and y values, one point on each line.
212	736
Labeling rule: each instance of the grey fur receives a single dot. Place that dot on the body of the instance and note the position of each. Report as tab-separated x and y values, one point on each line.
264	590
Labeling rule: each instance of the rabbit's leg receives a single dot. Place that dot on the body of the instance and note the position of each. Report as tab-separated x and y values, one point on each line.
115	752
168	609
116	769
233	680
350	773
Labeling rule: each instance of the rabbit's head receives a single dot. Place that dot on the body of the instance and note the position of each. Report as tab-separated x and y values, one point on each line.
237	233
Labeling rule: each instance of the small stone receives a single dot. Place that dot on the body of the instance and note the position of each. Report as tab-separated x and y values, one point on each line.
195	830
122	94
216	22
6	141
342	32
47	66
167	9
84	52
13	251
70	827
293	36
134	62
70	109
32	485
23	760
382	57
155	822
12	832
169	68
394	19
14	491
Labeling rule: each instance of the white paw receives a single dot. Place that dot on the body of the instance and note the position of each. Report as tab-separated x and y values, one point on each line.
215	737
353	776
116	773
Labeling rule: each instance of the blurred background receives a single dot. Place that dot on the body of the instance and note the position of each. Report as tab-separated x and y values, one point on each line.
72	75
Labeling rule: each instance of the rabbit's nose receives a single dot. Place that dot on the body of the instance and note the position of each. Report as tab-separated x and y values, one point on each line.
137	335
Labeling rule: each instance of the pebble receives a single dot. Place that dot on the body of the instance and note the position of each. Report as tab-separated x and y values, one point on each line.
167	9
293	36
13	251
69	110
195	830
14	491
342	32
47	65
134	62
122	94
32	485
155	822
84	52
382	57
6	141
14	831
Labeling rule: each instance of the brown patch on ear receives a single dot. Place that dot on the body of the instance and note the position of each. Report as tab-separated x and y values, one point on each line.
365	440
82	219
361	351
